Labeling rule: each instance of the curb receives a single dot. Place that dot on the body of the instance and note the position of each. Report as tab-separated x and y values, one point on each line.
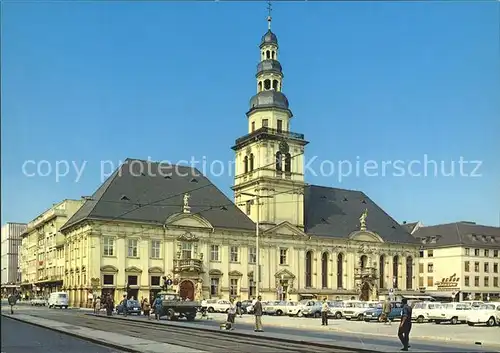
73	334
249	335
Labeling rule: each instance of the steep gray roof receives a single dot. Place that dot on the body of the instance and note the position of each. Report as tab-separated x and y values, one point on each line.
335	212
409	227
459	233
139	182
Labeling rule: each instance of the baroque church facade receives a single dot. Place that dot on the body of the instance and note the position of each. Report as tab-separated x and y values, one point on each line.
280	238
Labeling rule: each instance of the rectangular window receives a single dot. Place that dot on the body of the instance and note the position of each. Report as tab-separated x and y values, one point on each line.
252	288
430	281
155	280
467	281
476	252
467	251
486	267
249	207
155	249
430	268
214	286
421	282
214	253
252	255
495	281
253	126
495	253
132	280
108	280
233	288
430	253
109	246
234	254
467	266
132	248
495	268
187	250
476	281
265	122
476	266
283	253
280	125
420	268
486	253
486	281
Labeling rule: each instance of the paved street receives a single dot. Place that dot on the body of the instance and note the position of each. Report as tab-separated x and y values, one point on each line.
18	337
342	332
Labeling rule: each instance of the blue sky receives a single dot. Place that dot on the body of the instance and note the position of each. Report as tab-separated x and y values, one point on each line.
103	81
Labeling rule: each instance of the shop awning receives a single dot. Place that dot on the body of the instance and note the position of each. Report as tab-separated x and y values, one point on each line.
440	294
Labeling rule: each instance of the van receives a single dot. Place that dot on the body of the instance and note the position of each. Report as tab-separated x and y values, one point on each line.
58	300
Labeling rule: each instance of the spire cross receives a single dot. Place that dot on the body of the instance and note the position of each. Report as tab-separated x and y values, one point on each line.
269	10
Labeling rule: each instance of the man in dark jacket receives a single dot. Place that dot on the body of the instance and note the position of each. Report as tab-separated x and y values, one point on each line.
405	325
12	301
257	311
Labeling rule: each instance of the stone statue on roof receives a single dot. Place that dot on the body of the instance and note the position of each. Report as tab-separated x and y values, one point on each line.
362	220
186	208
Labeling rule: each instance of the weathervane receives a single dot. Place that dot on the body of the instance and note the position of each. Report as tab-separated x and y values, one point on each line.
269	10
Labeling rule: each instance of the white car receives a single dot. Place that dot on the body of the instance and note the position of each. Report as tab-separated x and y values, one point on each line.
450	312
300	307
356	310
38	302
218	306
488	314
277	307
422	310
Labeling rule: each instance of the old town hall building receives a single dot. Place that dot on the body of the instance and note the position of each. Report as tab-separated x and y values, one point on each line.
143	223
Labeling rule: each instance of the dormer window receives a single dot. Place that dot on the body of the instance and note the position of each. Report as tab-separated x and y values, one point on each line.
483	238
474	237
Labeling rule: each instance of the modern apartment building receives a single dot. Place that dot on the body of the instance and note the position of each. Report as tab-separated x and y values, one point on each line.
10	244
42	248
458	260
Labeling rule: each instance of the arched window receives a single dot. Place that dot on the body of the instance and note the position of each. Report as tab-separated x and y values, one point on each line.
309	269
381	280
275	85
245	164
324	270
409	272
363	261
279	161
273	55
251	161
288	163
267	84
340	271
268	54
395	272
260	86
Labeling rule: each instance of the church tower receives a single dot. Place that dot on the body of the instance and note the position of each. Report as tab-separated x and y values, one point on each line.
270	158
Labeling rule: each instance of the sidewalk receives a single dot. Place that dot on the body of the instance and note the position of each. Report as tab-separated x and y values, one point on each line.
110	339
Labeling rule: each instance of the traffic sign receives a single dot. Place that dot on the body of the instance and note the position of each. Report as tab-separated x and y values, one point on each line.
391	290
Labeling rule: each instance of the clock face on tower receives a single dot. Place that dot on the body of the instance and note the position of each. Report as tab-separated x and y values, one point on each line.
284	147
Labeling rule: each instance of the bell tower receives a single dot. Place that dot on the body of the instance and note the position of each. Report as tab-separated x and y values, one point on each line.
269	161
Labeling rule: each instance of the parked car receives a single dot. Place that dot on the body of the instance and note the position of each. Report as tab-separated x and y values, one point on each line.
375	313
298	310
421	311
450	312
39	301
488	314
313	310
473	303
218	306
356	310
133	307
336	309
244	306
277	307
58	300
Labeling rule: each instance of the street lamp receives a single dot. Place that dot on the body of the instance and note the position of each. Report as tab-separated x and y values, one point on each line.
257	242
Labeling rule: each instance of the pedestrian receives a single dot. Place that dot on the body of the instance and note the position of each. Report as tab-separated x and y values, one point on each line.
239	310
204	307
124	305
405	325
110	305
257	311
231	314
146	307
386	310
97	305
157	305
12	299
325	308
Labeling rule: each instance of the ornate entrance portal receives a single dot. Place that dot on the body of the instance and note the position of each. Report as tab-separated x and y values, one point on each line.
186	290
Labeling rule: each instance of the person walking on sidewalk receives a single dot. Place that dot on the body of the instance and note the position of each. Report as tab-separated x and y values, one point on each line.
157	305
110	305
325	308
386	310
405	325
12	299
146	307
97	306
124	304
231	314
257	311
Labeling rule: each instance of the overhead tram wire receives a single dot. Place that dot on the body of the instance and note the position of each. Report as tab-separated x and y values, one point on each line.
153	203
215	207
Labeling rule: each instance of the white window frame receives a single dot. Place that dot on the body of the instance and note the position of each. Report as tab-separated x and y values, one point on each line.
234	254
132	244
108	248
155	249
214	252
